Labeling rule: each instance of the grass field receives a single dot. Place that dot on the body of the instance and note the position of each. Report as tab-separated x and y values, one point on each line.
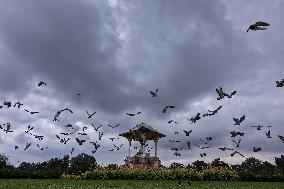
88	184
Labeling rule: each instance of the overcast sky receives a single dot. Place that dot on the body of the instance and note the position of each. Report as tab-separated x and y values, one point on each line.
114	52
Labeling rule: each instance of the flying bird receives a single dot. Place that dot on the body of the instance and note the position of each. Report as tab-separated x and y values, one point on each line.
236	133
280	83
236	152
259	25
59	112
154	94
90	115
113	126
80	142
239	121
27	146
18	104
172	121
8	104
225	148
268	134
177	154
212	112
133	114
256	149
281	138
187	132
96	128
118	147
202	154
237	143
259	127
167	107
195	118
41	83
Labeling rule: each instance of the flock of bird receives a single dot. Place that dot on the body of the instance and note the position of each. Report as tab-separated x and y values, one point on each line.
70	131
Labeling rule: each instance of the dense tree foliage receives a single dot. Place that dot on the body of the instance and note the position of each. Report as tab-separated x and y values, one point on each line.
84	166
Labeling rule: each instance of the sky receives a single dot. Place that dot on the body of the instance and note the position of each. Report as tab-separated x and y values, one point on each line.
113	52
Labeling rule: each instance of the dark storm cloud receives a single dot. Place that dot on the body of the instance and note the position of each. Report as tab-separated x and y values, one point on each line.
114	54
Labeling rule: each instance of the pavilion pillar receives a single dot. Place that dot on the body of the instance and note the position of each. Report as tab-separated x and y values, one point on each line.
156	146
129	148
143	145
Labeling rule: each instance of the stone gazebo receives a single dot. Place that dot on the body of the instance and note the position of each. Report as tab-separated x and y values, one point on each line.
142	133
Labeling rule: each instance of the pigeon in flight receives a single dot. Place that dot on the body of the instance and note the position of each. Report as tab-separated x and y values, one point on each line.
259	25
236	152
8	127
280	83
154	94
281	138
96	128
118	147
90	115
16	147
72	150
113	126
259	127
225	148
188	144
187	132
177	154
237	143
202	154
133	114
167	107
18	104
172	121
112	139
212	112
195	118
238	121
27	146
59	112
202	147
8	104
236	133
256	149
268	134
80	142
41	83
100	135
29	129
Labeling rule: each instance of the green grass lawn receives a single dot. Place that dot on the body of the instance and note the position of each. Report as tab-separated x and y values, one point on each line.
88	184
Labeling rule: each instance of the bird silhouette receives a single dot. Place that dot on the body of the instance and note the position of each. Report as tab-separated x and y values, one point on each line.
118	147
236	133
154	94
80	142
259	25
100	135
259	127
280	83
256	149
90	115
225	148
41	83
237	143
18	104
96	128
281	138
133	114
167	107
8	104
236	152
239	121
187	132
268	134
212	112
172	121
55	118
29	129
202	154
27	146
113	126
195	118
177	154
